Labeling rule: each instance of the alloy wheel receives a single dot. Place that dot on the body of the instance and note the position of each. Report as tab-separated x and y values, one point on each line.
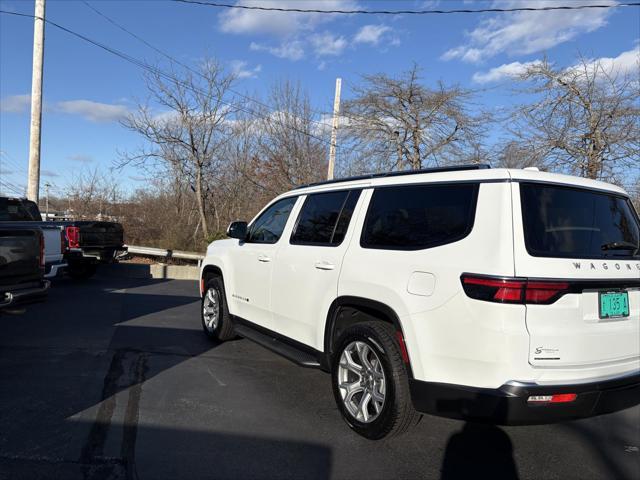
361	381
211	309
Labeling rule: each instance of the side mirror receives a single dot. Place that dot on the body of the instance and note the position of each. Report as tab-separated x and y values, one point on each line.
237	230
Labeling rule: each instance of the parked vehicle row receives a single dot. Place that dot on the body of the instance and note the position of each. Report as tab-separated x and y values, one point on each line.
82	244
72	247
508	296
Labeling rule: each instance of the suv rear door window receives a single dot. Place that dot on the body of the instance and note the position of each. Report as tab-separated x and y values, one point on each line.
570	222
415	217
324	218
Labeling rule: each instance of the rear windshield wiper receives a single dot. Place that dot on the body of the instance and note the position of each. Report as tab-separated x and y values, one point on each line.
619	246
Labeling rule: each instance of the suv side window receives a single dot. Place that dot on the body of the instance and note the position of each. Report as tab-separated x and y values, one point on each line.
324	218
269	226
415	217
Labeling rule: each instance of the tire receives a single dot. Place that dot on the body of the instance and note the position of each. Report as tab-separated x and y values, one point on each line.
214	299
81	270
395	413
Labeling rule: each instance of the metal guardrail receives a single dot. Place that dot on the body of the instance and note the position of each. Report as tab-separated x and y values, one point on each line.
165	253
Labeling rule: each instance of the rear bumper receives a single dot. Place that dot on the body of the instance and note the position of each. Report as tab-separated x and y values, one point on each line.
508	404
52	270
23	296
92	254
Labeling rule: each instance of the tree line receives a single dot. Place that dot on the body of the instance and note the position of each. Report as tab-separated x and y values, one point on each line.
213	155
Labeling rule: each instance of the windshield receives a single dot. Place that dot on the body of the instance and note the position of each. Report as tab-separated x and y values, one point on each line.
577	223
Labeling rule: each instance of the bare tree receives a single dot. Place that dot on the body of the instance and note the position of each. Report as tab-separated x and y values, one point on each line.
92	194
186	136
514	154
399	123
290	149
584	120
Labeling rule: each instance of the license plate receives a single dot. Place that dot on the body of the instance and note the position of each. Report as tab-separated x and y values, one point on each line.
613	304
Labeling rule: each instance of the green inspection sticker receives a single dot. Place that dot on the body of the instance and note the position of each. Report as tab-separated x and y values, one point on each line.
614	304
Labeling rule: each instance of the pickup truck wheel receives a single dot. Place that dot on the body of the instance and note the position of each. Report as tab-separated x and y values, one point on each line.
81	271
370	382
216	320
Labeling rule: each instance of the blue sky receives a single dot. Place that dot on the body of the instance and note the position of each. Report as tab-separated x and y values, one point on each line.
86	89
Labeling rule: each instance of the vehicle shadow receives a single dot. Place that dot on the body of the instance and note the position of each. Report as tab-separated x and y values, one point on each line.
479	451
611	438
162	452
73	354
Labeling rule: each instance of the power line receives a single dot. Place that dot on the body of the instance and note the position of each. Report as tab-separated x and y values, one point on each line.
13	165
408	12
175	60
9	187
160	73
7	164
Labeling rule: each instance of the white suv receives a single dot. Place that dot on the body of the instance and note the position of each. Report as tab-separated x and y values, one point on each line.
511	296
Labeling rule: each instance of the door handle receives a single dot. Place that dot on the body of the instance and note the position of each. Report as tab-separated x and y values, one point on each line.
263	258
325	266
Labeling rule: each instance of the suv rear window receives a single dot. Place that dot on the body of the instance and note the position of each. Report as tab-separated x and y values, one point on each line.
414	217
568	222
324	218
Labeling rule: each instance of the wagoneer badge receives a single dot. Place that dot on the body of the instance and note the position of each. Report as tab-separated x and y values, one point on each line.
605	266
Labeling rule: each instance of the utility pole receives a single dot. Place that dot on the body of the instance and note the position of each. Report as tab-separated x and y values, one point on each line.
33	187
334	130
46	187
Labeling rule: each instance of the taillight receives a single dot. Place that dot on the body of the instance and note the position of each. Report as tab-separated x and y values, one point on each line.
501	290
545	292
512	290
73	237
42	259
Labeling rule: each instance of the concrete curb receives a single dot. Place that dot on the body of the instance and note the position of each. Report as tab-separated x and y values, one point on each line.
159	271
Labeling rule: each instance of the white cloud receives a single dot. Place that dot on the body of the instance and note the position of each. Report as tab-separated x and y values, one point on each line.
327	43
292	50
49	173
15	103
241	69
324	124
282	24
508	70
81	158
527	32
371	34
168	116
627	63
93	111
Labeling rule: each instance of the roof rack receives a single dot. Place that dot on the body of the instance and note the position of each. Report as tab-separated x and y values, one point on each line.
456	168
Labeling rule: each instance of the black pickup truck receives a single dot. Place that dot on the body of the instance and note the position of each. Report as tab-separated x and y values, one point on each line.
88	242
21	267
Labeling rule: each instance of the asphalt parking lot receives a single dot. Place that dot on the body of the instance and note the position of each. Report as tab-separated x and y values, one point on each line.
113	379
